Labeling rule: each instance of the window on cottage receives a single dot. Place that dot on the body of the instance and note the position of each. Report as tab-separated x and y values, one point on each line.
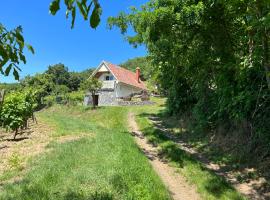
109	78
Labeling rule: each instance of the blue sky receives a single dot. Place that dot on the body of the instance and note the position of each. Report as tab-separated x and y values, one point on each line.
54	41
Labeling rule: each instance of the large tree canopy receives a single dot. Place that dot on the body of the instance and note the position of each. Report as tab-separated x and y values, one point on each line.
213	58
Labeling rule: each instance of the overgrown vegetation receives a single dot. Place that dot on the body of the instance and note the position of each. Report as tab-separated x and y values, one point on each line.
212	60
209	185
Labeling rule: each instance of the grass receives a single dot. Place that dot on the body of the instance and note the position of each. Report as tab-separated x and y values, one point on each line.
103	164
209	185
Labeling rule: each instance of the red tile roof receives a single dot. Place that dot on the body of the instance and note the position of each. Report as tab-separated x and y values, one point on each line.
125	76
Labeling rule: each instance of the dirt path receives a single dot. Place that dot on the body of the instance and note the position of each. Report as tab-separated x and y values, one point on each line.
175	183
253	189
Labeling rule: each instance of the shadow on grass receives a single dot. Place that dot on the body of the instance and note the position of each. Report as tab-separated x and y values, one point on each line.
212	184
94	196
17	139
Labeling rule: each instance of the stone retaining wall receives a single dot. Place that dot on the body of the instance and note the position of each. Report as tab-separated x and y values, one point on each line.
107	98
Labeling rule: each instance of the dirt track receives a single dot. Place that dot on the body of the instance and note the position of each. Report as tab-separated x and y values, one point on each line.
175	183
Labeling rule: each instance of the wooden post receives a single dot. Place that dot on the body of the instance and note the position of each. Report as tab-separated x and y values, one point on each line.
2	96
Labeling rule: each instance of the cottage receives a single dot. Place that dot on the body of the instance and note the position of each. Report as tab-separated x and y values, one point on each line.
117	83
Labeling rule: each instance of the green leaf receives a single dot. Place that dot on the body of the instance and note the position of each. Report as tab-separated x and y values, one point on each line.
30	48
19	37
54	6
95	16
3	52
89	7
16	74
8	70
83	12
22	58
69	4
73	17
1	71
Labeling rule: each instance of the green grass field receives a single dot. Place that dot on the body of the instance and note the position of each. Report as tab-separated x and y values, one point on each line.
101	161
103	164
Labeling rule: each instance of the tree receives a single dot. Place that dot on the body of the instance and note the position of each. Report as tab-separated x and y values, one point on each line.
42	84
59	73
212	58
92	85
76	78
144	63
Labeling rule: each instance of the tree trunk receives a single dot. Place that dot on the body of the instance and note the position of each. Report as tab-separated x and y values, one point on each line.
93	100
266	63
265	42
15	134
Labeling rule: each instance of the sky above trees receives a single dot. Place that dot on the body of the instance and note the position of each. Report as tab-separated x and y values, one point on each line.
54	41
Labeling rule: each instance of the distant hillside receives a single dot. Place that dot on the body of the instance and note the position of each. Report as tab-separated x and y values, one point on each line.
143	63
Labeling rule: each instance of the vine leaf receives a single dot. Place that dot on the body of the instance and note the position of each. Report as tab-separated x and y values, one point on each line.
8	70
16	74
95	16
54	6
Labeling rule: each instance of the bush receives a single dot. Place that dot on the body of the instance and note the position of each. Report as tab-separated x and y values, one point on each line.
75	97
16	110
49	100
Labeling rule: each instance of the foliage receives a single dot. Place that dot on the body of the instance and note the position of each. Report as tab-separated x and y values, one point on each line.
16	110
209	185
9	87
12	46
49	100
76	78
60	89
75	97
91	85
41	83
147	70
57	80
90	10
213	60
59	73
149	73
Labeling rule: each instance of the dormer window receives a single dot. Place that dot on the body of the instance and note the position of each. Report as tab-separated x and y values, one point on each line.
109	78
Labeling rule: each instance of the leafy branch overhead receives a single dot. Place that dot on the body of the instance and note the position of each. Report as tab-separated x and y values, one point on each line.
11	50
90	10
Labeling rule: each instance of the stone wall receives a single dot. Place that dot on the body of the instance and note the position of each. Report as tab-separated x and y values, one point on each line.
134	103
106	98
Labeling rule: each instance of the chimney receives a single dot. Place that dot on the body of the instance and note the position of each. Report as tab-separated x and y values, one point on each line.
138	73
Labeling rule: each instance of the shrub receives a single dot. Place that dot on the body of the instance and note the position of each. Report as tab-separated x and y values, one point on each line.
16	110
75	97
